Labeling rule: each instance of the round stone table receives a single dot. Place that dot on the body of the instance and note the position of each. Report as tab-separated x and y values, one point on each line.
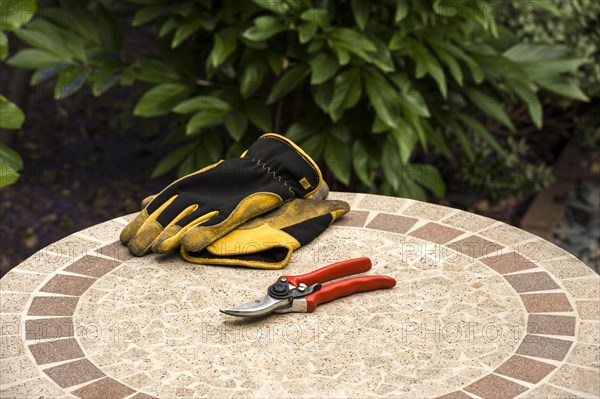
481	309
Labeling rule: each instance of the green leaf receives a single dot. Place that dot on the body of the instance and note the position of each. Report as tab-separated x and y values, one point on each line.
16	13
401	10
225	45
563	86
236	124
203	119
353	42
390	163
382	57
288	82
199	103
540	60
160	99
491	106
171	160
8	175
154	71
11	157
383	97
319	16
482	132
451	63
346	93
528	96
360	161
148	13
361	10
264	28
69	81
33	58
259	114
307	31
190	26
323	66
252	78
108	29
323	95
405	140
278	7
304	129
11	116
464	141
169	25
427	63
3	46
427	176
337	158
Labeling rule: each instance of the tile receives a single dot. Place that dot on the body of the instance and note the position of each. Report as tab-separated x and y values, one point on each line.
38	388
528	282
541	303
508	263
589	333
381	203
577	378
525	369
10	324
544	347
436	233
584	288
567	268
495	387
11	346
68	285
12	302
469	221
506	234
551	325
392	223
116	250
74	373
141	395
107	232
93	266
52	306
548	392
48	328
353	219
475	247
56	351
43	262
588	310
103	389
540	250
423	210
16	281
455	395
585	355
16	369
72	247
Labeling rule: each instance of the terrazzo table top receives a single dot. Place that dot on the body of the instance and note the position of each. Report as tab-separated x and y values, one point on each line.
481	309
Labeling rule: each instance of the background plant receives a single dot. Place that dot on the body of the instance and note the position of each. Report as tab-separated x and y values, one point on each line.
366	87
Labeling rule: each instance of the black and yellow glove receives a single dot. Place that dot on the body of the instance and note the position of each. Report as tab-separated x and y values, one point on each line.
203	206
268	241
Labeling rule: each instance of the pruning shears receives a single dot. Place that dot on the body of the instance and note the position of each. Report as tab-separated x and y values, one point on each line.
305	292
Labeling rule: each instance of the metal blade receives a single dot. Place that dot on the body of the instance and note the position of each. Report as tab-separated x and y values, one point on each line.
258	307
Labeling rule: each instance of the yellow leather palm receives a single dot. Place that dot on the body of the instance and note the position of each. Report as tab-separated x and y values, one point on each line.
268	241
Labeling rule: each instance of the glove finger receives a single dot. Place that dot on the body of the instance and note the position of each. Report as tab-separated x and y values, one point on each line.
200	236
190	217
144	229
134	226
148	200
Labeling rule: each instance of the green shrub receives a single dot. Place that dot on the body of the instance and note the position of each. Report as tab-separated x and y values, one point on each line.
363	86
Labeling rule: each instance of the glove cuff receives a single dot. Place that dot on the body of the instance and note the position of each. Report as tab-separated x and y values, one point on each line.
287	162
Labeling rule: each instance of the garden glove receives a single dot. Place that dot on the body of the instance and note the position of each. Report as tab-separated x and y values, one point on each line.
201	207
268	241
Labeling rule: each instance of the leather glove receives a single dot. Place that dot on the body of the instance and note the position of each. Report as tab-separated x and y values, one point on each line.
201	207
268	241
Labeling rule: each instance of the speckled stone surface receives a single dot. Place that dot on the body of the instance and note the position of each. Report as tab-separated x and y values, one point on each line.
481	310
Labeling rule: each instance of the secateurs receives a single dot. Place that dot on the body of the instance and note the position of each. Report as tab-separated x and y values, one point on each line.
305	292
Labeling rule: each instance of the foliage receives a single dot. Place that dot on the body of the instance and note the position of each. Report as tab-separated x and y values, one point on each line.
13	14
573	23
511	177
364	86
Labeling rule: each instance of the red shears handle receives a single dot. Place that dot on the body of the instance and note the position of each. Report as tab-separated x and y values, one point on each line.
342	288
332	272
